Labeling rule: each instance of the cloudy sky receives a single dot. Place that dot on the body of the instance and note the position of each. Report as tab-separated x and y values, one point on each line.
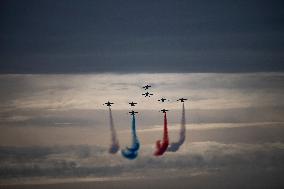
61	60
141	36
56	125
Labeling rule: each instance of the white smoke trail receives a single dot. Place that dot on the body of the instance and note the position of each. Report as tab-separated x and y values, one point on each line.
174	146
114	147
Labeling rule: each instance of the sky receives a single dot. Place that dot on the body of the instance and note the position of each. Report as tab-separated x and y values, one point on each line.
141	36
60	61
61	106
55	129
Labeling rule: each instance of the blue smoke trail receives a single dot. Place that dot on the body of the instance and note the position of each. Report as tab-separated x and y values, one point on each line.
135	143
174	146
129	154
132	152
114	147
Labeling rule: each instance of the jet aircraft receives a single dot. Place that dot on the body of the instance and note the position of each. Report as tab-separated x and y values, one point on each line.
132	103
133	112
182	99
164	110
147	94
162	100
146	87
108	103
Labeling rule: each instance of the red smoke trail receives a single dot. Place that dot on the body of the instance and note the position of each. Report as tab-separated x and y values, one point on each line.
162	147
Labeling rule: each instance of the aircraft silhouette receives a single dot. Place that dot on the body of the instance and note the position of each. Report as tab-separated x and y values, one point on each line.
164	110
146	87
163	100
108	103
133	113
182	99
147	94
132	103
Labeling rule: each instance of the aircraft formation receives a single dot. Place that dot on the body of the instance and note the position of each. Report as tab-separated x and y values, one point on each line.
161	145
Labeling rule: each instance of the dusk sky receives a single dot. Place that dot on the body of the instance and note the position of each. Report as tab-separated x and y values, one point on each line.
60	61
69	36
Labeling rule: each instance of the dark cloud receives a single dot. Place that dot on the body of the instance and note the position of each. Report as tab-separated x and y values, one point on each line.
254	151
70	161
141	36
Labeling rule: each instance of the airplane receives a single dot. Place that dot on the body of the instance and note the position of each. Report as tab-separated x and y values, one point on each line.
147	94
108	103
132	103
163	100
133	113
182	99
146	87
164	110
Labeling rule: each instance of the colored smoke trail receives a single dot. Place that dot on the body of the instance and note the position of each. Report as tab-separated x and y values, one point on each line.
114	147
132	152
135	143
162	147
174	146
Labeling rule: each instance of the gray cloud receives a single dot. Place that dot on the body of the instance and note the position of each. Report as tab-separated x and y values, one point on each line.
63	92
79	160
98	118
210	150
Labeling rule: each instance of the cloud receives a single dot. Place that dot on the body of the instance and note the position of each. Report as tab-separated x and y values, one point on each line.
206	91
98	118
70	161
